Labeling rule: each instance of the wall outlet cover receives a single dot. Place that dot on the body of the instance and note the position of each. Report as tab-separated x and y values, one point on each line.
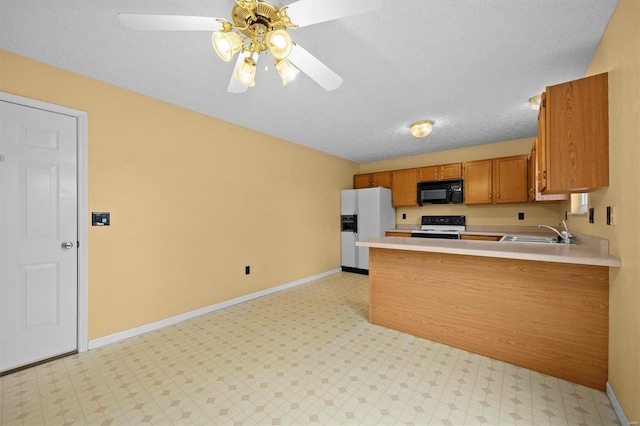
591	214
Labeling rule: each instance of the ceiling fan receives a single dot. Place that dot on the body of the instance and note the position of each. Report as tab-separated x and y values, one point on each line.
259	26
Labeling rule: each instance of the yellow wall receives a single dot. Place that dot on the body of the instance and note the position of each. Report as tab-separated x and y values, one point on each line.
505	215
192	199
619	55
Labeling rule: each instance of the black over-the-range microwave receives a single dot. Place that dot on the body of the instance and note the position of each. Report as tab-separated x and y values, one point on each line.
441	192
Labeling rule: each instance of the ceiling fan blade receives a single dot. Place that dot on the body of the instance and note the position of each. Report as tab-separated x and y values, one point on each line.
307	12
234	85
310	65
144	22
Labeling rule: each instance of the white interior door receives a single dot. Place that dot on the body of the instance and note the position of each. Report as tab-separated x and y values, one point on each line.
38	235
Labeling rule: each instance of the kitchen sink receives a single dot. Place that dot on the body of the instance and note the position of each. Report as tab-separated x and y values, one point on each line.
531	239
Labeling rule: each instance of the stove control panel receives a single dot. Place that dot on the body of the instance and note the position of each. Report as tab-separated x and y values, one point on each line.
444	220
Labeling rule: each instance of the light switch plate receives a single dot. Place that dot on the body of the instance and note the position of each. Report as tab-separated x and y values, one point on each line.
611	216
100	219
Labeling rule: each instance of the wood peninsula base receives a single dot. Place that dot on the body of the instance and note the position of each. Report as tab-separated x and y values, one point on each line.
549	317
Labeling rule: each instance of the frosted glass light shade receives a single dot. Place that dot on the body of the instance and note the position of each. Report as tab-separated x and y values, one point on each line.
420	129
287	71
246	74
226	44
279	44
534	102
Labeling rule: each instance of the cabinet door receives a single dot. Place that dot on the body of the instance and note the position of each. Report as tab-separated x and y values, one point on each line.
404	190
541	145
478	181
577	134
450	171
428	173
397	233
479	237
362	181
510	180
381	179
531	184
534	194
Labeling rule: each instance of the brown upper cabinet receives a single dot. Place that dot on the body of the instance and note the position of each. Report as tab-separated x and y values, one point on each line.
478	182
535	195
573	135
510	179
372	180
404	191
496	181
540	145
442	172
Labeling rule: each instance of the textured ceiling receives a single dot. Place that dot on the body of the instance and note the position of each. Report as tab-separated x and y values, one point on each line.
468	65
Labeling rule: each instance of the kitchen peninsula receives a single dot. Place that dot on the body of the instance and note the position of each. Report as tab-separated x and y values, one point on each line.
539	306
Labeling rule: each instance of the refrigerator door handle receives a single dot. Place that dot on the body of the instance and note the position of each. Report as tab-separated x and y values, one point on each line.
355	223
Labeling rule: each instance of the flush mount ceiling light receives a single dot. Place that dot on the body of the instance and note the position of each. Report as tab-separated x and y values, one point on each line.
420	129
534	102
259	27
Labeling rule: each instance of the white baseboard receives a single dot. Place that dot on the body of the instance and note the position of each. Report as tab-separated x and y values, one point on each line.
116	337
622	418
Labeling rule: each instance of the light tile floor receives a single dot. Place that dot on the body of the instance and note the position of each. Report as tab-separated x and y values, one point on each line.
302	356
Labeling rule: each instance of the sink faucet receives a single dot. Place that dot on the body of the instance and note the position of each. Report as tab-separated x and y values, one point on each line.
565	236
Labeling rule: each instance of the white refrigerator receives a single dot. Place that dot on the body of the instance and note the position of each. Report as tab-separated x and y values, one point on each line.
365	213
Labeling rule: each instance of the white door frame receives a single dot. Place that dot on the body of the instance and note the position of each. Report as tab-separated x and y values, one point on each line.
83	208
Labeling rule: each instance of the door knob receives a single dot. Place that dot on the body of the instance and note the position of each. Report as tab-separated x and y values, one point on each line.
67	245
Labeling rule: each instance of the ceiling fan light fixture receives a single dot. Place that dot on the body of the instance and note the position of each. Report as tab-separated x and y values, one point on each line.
226	44
279	43
246	74
534	102
258	26
287	71
420	129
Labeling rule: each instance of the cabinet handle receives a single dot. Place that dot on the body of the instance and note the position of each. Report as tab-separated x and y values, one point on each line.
498	195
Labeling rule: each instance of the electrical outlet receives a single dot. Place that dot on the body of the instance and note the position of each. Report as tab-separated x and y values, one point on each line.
404	215
521	216
247	270
591	214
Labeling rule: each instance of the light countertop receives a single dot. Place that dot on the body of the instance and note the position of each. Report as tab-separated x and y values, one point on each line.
484	233
561	253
